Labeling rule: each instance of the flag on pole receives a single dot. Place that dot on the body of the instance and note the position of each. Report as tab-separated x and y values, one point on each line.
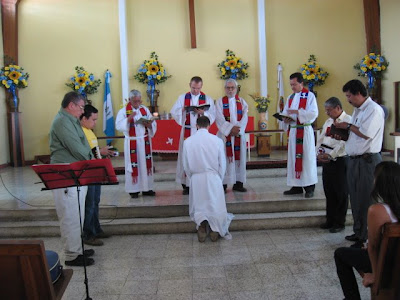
281	99
108	115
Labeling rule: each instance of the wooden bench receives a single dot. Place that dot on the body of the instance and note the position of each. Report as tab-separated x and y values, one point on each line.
24	273
387	278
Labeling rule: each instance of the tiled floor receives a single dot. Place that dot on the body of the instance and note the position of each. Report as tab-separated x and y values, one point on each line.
273	264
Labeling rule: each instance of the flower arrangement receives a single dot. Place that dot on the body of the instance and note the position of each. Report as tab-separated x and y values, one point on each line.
13	77
151	72
233	67
372	66
262	103
312	73
83	82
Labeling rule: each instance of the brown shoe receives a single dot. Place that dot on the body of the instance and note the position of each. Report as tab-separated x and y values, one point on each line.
93	242
103	235
202	232
214	236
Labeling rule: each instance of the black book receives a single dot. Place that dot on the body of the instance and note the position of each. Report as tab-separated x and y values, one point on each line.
280	117
203	106
343	133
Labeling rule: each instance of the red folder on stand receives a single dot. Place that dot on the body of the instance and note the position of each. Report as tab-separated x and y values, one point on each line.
85	172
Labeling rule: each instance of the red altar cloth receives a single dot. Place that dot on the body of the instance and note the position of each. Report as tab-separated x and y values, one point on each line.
168	133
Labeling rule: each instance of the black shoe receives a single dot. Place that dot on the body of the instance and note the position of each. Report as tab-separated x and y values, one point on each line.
185	191
238	186
89	252
325	226
225	187
78	262
336	229
309	195
134	195
352	237
294	191
358	244
149	193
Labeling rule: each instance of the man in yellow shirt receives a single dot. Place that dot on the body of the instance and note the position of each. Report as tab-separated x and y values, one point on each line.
91	228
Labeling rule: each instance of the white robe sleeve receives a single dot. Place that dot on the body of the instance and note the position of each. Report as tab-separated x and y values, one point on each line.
285	126
210	113
186	161
243	122
121	122
221	159
309	114
224	126
177	110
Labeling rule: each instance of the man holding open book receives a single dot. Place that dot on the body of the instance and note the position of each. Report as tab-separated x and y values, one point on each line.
135	121
331	153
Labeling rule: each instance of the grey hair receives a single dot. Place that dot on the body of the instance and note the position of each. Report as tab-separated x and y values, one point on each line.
231	80
333	102
134	93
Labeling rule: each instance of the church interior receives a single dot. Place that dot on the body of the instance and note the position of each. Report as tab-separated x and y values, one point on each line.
277	249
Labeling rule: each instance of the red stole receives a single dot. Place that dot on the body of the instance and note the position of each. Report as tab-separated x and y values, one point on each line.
227	115
133	145
188	97
298	167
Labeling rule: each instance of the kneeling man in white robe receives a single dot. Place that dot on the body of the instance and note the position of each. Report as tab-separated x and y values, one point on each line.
205	164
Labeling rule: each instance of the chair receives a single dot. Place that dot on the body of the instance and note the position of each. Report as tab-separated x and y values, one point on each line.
387	278
24	272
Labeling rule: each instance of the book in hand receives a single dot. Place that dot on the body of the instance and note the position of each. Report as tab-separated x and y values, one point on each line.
280	117
193	108
84	172
343	133
144	120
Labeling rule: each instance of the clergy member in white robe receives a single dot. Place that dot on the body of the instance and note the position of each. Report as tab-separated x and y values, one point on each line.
302	107
231	117
205	164
137	146
188	121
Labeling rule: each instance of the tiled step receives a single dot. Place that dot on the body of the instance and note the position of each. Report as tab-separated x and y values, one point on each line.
166	211
182	224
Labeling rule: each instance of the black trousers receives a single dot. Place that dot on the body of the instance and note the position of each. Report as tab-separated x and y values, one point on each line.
309	188
336	192
346	259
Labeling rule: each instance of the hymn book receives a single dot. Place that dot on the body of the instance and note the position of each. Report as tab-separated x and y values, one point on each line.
193	108
280	117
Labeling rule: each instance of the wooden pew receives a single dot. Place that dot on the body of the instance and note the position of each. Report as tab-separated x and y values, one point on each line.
387	278
24	273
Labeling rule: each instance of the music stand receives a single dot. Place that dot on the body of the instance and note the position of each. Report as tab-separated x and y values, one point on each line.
80	173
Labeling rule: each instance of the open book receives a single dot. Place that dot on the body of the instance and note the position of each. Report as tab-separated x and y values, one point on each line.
145	120
203	106
280	117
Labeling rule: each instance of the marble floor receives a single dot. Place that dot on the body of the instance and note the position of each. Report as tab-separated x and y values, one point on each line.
271	265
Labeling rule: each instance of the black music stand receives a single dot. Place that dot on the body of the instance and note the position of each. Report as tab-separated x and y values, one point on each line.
80	173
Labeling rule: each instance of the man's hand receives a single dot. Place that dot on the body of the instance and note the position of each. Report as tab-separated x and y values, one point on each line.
235	131
323	157
199	111
148	124
287	120
131	116
341	125
105	151
368	279
292	111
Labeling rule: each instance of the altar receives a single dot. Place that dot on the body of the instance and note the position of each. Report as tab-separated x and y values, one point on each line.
166	139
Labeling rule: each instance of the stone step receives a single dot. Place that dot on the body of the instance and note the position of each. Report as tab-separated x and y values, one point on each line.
165	211
182	224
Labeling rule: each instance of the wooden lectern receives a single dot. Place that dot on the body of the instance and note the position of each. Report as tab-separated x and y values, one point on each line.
263	145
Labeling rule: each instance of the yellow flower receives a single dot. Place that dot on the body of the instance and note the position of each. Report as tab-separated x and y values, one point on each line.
24	82
16	81
148	73
223	71
153	69
14	75
383	68
77	87
158	77
364	69
239	65
6	68
161	69
4	82
81	81
147	64
6	73
232	64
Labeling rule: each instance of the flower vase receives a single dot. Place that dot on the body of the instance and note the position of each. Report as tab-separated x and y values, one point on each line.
152	98
13	101
262	121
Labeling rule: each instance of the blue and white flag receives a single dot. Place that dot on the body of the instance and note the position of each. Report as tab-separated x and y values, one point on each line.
108	115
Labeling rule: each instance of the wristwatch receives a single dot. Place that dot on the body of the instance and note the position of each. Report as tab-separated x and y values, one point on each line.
348	126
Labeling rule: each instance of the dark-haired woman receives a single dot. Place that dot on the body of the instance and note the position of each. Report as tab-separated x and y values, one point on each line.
386	193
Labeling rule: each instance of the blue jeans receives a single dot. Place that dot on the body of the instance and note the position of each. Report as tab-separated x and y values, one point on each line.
91	226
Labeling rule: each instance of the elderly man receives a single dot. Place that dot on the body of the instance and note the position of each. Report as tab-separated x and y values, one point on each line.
231	118
363	147
68	144
135	121
187	119
302	109
205	164
331	153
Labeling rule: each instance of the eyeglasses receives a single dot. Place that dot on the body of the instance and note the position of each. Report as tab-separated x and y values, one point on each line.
230	87
80	106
